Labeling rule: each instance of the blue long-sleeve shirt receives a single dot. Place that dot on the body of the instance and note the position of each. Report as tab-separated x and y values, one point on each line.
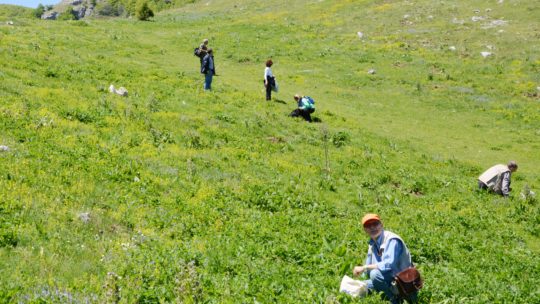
387	260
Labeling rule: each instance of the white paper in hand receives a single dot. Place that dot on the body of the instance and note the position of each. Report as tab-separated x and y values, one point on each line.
353	287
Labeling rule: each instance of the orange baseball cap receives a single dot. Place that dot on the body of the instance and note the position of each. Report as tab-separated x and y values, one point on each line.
370	217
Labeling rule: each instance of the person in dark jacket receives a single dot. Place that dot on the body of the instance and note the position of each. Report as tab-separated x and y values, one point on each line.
208	69
203	50
306	106
204	46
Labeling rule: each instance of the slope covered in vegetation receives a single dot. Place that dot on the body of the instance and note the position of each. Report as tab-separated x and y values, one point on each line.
172	194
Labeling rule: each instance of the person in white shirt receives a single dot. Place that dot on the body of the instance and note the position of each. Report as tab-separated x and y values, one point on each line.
269	79
497	178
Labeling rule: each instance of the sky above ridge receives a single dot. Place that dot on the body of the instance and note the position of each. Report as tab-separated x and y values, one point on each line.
29	3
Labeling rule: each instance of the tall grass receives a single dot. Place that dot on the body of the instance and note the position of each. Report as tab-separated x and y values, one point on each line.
174	194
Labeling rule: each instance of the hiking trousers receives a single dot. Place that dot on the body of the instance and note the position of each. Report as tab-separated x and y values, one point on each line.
271	83
382	282
208	80
268	92
306	114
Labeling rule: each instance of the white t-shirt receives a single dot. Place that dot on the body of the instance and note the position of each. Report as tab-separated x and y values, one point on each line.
268	72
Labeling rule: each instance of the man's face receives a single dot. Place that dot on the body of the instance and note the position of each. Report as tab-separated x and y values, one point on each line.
373	229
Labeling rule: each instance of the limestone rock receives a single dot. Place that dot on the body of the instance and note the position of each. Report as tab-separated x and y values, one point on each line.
120	91
477	18
85	217
486	54
50	15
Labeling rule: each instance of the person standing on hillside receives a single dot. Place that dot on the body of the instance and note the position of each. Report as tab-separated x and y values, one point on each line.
306	106
269	79
208	69
204	44
497	178
387	256
203	50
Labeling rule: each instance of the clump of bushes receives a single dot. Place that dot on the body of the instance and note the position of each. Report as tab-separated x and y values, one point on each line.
109	9
68	14
40	9
341	139
143	12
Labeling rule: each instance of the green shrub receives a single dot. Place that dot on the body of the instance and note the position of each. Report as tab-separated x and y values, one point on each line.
68	14
8	238
40	9
143	12
340	139
189	194
107	9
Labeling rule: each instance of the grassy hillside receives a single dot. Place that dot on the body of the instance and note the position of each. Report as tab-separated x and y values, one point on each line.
10	11
173	194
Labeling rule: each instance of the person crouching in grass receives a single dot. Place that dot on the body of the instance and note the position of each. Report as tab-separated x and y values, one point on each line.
387	256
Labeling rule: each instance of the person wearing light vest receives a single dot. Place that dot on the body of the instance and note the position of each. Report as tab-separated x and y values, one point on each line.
497	178
387	256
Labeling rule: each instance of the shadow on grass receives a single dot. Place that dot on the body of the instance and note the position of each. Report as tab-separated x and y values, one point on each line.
313	119
280	101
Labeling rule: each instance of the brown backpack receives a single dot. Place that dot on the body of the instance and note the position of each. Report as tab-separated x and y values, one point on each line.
408	281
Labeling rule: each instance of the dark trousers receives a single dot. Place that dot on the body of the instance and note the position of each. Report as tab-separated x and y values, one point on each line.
268	92
481	185
270	84
306	114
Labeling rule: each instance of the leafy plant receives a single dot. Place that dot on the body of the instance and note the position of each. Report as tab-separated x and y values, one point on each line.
143	12
39	10
68	14
341	138
174	194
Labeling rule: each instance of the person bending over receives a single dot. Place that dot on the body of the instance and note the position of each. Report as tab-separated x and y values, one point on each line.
497	178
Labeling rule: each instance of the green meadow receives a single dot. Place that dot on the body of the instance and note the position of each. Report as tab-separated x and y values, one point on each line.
174	194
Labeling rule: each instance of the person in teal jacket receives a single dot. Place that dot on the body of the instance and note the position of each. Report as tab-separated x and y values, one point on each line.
306	106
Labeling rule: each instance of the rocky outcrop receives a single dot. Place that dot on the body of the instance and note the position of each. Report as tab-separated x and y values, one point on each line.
50	15
89	12
81	8
81	12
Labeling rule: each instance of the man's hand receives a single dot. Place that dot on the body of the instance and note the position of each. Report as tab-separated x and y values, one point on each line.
358	270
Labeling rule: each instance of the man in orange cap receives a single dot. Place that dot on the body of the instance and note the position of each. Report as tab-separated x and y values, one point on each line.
387	255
